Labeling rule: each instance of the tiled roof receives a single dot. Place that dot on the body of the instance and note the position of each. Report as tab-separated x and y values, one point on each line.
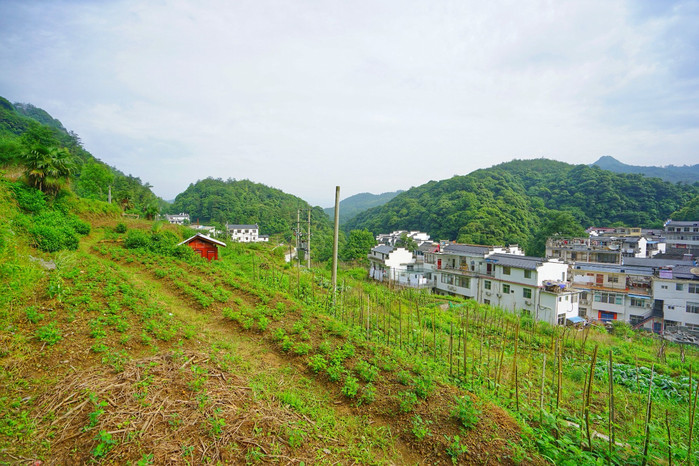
465	249
383	249
242	227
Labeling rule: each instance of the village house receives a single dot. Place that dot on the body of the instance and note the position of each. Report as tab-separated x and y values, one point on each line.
505	278
396	265
246	233
205	246
391	239
178	219
676	296
682	235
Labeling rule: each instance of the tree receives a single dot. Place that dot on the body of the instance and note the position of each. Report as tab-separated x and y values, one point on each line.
94	181
406	242
48	169
556	223
358	245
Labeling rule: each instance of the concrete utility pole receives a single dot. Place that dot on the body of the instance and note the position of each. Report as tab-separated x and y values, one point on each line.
335	236
308	241
298	236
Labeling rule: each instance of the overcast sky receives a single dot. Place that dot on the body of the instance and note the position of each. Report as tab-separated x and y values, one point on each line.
369	95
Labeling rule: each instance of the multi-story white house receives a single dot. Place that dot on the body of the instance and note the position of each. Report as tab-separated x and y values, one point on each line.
682	235
505	278
614	292
676	295
246	233
396	265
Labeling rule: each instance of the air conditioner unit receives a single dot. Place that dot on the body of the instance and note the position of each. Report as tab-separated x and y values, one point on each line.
488	293
499	295
527	302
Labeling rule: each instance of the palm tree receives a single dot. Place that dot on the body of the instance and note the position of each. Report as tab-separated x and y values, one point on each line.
49	169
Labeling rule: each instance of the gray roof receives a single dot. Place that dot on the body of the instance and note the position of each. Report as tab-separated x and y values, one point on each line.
465	249
242	227
614	268
682	223
685	272
654	262
513	260
384	249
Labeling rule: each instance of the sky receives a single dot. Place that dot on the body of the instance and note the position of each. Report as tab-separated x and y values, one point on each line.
371	96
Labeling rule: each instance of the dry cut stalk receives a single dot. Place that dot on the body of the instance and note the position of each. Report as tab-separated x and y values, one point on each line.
649	406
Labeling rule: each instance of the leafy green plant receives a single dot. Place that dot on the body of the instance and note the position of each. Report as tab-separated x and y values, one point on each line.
366	371
335	372
465	411
454	448
49	334
407	401
368	394
424	386
351	387
33	315
104	445
317	363
420	428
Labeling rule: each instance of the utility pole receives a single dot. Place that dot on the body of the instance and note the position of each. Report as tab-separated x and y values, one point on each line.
335	236
298	236
308	241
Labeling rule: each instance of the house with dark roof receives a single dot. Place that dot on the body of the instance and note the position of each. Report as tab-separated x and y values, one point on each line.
246	233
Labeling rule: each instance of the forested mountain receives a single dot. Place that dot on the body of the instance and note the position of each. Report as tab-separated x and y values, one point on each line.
515	202
353	205
27	131
685	174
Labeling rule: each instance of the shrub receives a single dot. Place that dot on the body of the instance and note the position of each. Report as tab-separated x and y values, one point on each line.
81	227
136	239
421	428
120	227
407	401
366	371
335	372
424	386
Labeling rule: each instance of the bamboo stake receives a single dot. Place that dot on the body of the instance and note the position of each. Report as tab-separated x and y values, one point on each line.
400	326
693	411
669	438
611	406
649	406
589	396
541	393
451	349
515	368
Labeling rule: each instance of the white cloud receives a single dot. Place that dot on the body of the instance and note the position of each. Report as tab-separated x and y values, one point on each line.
373	96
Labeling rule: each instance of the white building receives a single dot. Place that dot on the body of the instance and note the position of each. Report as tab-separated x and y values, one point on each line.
396	265
246	233
676	294
178	219
392	238
682	235
505	278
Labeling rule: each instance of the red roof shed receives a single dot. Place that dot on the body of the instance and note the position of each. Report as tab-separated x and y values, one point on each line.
206	246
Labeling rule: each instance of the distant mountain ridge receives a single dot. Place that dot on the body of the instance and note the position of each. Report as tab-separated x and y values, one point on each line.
358	203
685	174
516	201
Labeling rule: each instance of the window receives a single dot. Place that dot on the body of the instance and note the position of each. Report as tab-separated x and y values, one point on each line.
607	315
692	288
486	301
527	274
448	279
486	284
613	279
527	292
664	287
505	270
609	298
463	282
693	307
678	287
506	288
582	312
637	302
561	319
692	326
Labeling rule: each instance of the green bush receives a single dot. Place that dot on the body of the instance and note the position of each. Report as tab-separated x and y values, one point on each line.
136	239
79	226
29	199
351	387
120	227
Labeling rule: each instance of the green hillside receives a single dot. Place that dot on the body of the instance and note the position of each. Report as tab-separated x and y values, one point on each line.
246	202
675	174
353	205
512	203
26	130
